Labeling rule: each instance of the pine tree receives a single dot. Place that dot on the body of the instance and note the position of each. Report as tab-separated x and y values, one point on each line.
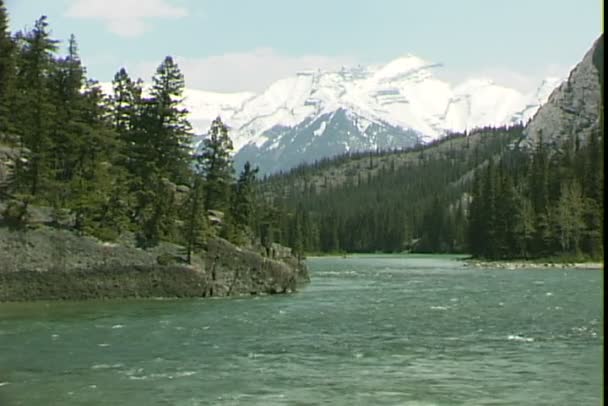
538	189
195	227
126	109
489	213
505	215
123	102
297	240
98	187
70	121
34	106
524	225
158	218
7	72
476	230
539	178
569	218
268	226
244	196
215	164
168	129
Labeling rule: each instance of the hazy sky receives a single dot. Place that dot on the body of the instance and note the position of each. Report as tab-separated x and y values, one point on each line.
233	45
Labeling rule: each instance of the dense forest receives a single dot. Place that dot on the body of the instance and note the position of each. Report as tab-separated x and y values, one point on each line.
477	193
125	163
389	201
111	164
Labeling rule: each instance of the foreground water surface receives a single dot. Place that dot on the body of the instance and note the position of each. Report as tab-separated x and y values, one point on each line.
368	330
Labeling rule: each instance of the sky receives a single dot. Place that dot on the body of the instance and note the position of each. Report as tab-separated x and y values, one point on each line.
245	45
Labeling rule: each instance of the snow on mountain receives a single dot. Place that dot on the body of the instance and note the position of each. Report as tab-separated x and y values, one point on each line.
204	106
389	106
476	103
403	93
537	98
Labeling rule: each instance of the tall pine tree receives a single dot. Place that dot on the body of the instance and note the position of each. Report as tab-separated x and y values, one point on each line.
215	164
34	107
7	71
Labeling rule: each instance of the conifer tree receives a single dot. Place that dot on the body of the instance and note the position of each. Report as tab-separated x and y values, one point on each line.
7	71
244	197
34	106
524	226
70	121
157	219
569	218
476	231
215	164
195	227
98	187
122	102
168	130
126	110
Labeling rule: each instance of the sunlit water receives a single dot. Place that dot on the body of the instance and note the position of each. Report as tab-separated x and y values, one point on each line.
368	330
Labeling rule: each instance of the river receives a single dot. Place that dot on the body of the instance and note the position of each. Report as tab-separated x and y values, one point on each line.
368	330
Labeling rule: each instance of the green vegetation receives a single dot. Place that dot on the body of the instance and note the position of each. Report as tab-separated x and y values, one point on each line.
476	193
110	164
386	201
107	165
544	204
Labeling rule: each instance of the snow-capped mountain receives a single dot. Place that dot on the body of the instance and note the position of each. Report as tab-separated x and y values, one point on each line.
317	114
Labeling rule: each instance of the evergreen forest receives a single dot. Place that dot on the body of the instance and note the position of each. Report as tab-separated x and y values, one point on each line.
125	163
112	164
478	193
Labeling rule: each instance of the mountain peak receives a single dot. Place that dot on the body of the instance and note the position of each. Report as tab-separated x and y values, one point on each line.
319	113
402	66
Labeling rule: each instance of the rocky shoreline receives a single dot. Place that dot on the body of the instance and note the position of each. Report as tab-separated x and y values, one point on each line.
52	264
512	265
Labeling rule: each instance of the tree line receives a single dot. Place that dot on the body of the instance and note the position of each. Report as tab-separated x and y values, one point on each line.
387	201
477	193
548	203
115	163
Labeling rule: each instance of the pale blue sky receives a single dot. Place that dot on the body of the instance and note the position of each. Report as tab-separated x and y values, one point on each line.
230	45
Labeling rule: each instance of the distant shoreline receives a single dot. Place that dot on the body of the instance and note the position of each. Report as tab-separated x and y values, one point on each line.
533	265
502	264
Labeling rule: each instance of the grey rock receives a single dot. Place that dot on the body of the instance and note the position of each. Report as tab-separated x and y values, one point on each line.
573	109
49	263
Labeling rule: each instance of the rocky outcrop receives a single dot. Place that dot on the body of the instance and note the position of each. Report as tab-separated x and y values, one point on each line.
48	263
8	157
103	282
236	271
573	109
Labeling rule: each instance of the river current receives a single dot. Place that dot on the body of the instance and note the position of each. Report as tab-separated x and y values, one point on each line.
368	330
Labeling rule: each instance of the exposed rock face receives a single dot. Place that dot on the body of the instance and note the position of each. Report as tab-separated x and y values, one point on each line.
103	283
8	157
235	271
573	109
47	263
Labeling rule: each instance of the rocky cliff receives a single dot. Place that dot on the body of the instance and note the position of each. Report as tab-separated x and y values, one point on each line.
47	263
573	109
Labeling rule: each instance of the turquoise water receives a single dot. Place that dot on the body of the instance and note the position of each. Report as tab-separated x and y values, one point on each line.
368	330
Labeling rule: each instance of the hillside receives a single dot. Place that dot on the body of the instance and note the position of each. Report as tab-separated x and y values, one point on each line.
386	201
99	196
495	193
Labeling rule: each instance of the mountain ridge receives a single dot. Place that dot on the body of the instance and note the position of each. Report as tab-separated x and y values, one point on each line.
395	105
403	99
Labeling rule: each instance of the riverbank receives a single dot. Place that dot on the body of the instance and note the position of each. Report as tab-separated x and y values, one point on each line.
532	264
52	264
